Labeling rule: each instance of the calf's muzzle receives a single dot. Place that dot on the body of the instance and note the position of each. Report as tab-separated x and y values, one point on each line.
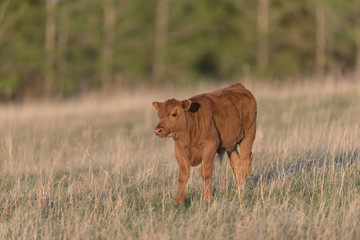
158	130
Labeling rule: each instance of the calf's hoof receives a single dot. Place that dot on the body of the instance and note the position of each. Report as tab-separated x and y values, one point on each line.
180	200
208	198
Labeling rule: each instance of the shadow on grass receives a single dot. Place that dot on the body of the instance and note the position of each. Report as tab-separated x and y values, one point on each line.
307	162
187	203
295	165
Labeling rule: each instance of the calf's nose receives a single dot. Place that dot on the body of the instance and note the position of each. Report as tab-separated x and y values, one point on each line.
158	131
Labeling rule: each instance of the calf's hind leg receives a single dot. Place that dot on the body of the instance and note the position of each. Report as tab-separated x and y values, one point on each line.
238	168
241	164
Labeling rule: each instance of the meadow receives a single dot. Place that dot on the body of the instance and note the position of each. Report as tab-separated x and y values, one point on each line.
92	168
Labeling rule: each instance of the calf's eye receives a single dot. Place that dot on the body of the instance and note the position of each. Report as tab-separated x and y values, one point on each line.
174	114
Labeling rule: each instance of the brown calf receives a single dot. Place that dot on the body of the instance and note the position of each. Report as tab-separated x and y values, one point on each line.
207	124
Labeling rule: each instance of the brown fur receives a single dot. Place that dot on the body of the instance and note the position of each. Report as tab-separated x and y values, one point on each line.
207	124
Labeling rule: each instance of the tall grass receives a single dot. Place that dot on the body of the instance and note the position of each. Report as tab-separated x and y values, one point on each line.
93	168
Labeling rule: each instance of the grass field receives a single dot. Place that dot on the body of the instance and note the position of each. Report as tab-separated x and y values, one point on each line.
93	169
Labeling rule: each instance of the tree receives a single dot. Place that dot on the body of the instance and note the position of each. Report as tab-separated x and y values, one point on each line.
62	46
320	19
49	46
356	15
3	9
160	41
357	64
263	34
108	42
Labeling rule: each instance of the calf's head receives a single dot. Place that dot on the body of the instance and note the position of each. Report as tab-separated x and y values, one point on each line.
172	119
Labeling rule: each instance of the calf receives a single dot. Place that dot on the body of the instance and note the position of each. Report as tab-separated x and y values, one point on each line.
207	124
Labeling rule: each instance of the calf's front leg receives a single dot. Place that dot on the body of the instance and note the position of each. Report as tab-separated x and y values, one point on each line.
183	178
183	174
206	169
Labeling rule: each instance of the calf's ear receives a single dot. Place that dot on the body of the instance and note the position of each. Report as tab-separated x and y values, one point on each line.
156	105
185	104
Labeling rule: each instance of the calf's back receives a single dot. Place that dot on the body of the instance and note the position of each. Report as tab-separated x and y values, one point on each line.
233	112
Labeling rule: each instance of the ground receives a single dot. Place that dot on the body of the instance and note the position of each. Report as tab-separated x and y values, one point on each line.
93	168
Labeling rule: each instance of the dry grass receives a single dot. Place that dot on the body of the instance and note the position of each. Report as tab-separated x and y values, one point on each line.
93	168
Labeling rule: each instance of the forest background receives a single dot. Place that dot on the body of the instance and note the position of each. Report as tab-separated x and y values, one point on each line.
59	48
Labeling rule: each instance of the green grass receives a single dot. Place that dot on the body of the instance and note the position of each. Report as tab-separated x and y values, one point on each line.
94	170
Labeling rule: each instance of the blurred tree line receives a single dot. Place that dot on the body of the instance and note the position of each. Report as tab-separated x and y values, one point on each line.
62	47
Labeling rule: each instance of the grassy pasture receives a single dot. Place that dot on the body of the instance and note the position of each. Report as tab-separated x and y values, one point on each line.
93	169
